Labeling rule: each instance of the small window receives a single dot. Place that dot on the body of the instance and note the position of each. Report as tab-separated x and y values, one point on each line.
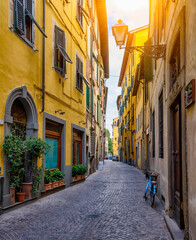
23	20
61	57
79	12
79	75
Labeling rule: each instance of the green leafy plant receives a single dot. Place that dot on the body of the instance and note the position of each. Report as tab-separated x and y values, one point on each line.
48	177
22	158
37	179
35	147
15	149
57	175
78	169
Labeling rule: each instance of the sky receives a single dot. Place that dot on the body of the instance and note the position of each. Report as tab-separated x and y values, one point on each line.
134	13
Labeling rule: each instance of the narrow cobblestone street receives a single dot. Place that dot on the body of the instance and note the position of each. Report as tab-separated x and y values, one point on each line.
109	205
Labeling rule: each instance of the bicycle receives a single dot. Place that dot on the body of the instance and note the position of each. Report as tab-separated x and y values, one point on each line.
151	187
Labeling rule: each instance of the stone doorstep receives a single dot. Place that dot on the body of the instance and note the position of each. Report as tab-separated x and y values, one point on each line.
17	205
175	231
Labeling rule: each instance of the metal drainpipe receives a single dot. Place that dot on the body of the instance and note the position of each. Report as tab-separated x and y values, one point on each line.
143	131
91	60
43	61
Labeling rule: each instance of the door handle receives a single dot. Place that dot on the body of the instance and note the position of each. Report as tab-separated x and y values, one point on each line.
176	152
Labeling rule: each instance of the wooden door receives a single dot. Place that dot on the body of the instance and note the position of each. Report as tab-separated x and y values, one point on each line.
177	167
77	148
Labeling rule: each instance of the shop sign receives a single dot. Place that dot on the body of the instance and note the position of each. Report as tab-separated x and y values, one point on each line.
190	93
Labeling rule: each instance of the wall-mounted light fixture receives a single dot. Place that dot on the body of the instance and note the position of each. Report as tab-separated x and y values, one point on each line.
59	111
82	122
120	33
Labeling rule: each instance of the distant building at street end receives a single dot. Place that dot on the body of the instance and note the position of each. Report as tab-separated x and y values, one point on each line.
115	135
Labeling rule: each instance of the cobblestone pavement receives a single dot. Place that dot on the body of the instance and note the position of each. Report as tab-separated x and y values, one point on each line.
109	205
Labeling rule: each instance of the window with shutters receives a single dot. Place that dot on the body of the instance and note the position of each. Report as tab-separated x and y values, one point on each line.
125	146
132	143
161	126
87	98
153	134
79	12
61	56
132	115
24	20
79	74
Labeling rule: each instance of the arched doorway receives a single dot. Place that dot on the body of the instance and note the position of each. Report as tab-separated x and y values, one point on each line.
20	119
18	113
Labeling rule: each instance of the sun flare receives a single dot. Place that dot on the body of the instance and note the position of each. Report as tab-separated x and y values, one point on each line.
127	5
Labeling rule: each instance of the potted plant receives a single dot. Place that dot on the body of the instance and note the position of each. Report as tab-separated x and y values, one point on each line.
35	147
84	170
48	180
14	149
74	173
61	178
55	179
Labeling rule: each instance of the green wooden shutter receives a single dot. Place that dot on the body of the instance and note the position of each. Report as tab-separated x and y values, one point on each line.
87	96
29	6
60	40
19	16
92	100
148	65
97	111
81	70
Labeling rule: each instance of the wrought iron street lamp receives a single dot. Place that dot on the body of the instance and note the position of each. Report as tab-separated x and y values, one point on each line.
120	32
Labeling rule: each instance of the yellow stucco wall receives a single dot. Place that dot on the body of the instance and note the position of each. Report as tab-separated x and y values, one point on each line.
20	65
115	136
140	37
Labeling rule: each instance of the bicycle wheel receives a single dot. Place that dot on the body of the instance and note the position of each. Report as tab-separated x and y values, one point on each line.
152	199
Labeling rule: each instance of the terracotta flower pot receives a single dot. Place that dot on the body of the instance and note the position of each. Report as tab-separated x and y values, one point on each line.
83	176
12	194
74	179
55	184
27	189
20	196
78	177
61	182
47	186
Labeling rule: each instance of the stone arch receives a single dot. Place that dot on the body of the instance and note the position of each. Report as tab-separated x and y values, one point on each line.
30	108
25	97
